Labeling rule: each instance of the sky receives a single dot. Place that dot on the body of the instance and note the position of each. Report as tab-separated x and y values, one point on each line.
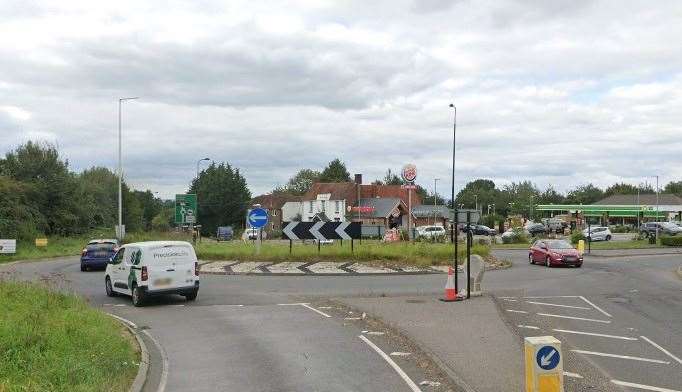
560	93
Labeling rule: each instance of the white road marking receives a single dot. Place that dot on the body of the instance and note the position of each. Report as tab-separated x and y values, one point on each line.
664	351
164	360
429	383
574	375
574	318
315	310
595	334
120	305
296	303
352	318
595	306
557	305
399	354
324	307
376	333
516	311
554	296
395	366
642	386
621	356
509	299
528	326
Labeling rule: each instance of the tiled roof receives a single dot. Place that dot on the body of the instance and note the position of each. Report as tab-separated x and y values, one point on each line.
648	199
274	201
428	211
338	191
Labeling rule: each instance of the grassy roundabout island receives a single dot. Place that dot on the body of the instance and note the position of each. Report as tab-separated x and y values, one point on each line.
51	341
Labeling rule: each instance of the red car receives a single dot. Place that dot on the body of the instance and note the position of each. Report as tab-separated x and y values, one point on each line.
554	253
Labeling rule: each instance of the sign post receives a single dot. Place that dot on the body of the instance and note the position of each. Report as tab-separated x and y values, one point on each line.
258	218
544	364
409	174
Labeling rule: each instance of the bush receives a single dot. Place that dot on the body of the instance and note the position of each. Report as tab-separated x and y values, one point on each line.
577	236
518	237
671	241
621	229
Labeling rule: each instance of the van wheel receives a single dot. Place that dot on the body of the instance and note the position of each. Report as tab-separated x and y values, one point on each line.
107	286
138	296
192	296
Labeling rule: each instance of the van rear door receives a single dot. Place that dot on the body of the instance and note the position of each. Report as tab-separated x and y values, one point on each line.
170	266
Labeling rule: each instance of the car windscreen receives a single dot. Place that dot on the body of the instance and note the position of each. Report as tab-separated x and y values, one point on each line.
558	244
101	246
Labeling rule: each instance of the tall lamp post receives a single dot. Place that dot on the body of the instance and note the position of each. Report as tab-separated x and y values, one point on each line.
454	228
119	232
196	190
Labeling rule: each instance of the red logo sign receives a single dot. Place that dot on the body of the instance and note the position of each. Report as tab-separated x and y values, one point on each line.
409	172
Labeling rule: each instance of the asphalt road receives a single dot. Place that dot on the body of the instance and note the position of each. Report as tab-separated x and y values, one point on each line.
239	336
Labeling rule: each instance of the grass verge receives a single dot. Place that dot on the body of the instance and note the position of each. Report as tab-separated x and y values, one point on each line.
51	341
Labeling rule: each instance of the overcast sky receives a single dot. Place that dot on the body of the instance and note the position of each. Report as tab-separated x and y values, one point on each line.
557	92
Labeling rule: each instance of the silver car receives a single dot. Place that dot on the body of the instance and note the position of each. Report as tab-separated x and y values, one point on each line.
598	233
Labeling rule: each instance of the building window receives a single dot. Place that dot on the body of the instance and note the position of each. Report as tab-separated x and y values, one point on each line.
337	206
323	205
310	209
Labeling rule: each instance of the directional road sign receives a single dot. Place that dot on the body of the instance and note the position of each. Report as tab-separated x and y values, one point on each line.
185	208
544	365
321	230
548	357
257	218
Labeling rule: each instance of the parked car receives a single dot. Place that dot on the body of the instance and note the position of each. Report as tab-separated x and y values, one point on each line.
224	233
664	228
430	232
598	233
97	253
554	253
555	225
536	228
479	230
145	269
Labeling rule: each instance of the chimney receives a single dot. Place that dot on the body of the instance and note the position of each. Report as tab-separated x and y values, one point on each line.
358	179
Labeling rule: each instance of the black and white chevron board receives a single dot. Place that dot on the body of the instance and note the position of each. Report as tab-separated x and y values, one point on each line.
321	230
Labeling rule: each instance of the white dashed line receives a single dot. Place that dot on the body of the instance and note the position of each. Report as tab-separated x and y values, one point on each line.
315	310
557	305
574	318
375	333
595	334
120	305
516	311
573	375
509	299
395	366
621	356
554	296
352	318
293	304
595	306
664	351
642	386
528	326
399	354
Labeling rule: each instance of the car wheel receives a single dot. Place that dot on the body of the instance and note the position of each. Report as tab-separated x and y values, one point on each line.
137	295
83	268
578	265
530	259
107	286
192	296
608	238
547	262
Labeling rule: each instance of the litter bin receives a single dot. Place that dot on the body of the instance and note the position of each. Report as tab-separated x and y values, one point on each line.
652	238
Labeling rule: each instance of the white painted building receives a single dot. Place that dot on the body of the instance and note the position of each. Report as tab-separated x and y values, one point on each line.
322	208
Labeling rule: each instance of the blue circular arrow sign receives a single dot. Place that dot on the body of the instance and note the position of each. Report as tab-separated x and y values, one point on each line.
258	218
548	357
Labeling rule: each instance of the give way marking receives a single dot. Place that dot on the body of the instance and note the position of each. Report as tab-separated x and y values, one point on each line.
394	365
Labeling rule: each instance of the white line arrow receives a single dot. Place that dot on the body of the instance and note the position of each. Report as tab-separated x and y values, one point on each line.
288	230
341	231
545	360
315	231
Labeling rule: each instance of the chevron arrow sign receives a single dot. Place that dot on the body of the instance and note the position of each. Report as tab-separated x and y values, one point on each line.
321	230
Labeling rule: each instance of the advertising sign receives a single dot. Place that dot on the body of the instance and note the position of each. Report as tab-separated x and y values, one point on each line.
409	172
8	246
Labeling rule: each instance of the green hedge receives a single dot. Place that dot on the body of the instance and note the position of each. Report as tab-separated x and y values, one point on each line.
671	241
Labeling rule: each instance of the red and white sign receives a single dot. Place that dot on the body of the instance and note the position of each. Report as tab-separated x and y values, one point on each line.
363	209
408	186
409	172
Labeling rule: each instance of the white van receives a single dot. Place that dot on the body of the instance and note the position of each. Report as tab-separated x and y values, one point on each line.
144	269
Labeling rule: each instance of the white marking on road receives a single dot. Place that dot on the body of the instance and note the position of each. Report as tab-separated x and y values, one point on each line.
164	361
429	383
664	351
395	366
595	334
516	311
557	305
375	333
528	326
642	386
315	310
352	318
509	299
621	356
324	307
595	306
574	318
399	354
553	296
574	375
120	305
179	305
121	319
294	304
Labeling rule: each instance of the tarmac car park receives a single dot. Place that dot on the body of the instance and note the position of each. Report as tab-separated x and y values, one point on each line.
146	269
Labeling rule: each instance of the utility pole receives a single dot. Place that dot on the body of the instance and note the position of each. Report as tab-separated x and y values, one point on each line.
119	232
454	227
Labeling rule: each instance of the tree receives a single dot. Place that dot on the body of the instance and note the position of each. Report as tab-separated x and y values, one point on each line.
584	194
150	205
478	191
335	172
518	198
223	197
627	189
301	182
392	179
674	187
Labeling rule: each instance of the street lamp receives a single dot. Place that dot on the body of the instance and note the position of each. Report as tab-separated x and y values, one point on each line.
198	162
454	227
119	232
476	201
196	190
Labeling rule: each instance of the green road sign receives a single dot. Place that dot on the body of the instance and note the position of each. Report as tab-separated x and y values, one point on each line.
185	208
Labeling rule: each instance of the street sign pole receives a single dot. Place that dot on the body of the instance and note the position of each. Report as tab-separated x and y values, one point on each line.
470	237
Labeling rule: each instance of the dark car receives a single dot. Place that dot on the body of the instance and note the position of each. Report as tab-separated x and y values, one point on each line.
96	254
664	228
224	233
554	253
536	228
479	230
